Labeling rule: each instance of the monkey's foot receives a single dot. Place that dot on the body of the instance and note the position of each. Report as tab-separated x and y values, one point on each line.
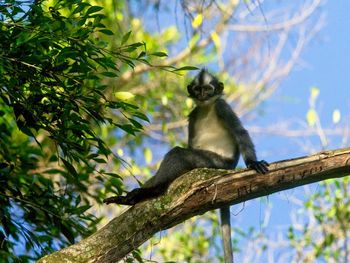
120	200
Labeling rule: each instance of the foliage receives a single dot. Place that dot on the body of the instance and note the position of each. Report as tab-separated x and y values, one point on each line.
53	105
325	235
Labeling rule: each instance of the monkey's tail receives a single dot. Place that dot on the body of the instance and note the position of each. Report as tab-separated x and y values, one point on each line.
226	234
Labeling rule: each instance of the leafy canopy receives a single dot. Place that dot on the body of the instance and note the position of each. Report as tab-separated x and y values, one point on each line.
53	102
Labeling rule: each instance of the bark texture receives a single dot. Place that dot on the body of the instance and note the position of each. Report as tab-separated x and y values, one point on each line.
195	193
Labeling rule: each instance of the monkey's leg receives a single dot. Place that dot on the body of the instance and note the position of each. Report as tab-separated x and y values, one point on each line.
179	160
175	163
172	166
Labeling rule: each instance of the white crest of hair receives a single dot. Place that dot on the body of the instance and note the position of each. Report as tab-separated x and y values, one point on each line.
207	77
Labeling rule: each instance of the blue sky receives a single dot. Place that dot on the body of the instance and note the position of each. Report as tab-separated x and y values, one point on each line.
328	68
326	65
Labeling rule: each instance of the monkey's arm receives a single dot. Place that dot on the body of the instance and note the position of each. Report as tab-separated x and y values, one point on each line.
241	136
191	134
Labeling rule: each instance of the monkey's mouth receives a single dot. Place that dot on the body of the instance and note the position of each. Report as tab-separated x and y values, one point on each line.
202	98
199	98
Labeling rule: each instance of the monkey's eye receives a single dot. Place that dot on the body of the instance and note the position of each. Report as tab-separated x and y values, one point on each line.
196	88
208	88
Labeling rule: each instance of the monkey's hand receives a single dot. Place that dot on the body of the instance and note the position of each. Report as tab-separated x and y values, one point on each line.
259	166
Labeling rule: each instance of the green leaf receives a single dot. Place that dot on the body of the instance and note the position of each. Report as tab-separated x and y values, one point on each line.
128	128
186	68
142	54
141	116
54	171
159	54
26	131
99	160
81	209
93	9
106	32
125	38
68	233
135	123
109	74
80	7
70	167
113	175
78	200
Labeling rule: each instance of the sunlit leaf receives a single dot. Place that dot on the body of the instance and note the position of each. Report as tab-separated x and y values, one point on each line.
197	21
315	92
189	103
164	100
193	41
124	95
336	116
120	152
148	155
216	39
311	117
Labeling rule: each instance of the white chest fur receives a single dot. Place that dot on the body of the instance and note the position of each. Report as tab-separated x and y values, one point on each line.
210	134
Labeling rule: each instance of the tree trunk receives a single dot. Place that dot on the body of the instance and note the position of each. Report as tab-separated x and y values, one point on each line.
195	193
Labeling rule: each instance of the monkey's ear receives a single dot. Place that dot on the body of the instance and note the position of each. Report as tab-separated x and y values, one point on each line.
189	89
220	88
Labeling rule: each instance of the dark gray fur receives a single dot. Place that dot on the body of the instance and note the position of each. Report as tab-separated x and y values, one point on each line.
244	145
216	140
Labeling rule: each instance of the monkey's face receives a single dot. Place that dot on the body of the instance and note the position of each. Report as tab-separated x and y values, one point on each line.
204	87
201	93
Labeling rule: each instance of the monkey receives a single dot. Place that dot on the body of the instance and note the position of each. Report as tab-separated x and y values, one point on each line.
216	139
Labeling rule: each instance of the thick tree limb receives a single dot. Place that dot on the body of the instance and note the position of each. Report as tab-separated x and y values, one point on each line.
195	193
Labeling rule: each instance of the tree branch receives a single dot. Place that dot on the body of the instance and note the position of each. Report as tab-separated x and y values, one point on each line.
195	193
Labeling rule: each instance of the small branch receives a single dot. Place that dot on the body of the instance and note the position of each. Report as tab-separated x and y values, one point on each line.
186	52
295	20
195	193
